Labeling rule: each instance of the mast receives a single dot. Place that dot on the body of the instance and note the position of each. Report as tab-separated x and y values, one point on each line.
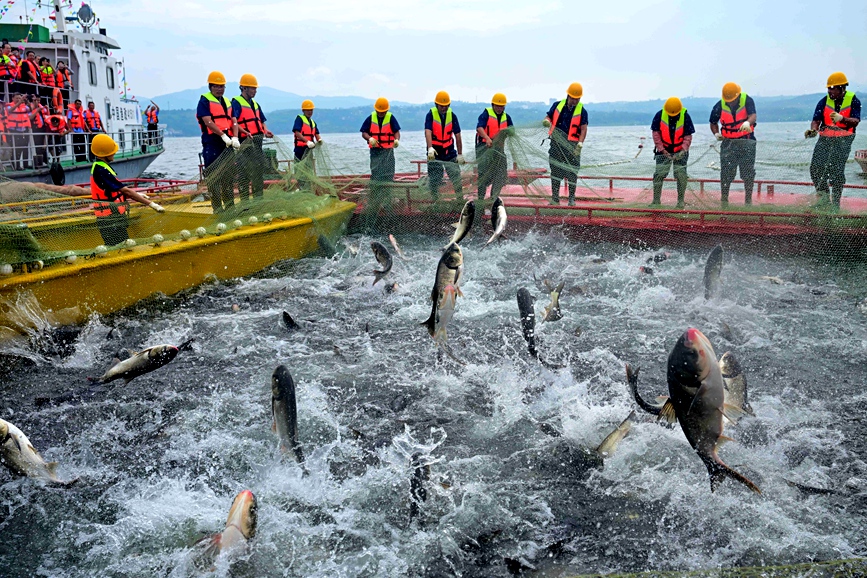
59	17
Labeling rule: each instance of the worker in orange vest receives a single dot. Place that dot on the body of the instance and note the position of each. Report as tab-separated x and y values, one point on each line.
251	124
567	129
733	122
152	115
493	127
59	128
40	131
219	132
381	131
445	147
29	75
18	124
672	131
64	79
8	69
307	136
75	118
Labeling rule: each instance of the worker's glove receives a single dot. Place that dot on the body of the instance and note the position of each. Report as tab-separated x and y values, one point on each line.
226	139
144	196
396	143
746	127
373	142
460	159
678	155
578	148
546	122
310	144
156	207
319	142
837	117
236	144
431	154
719	136
810	133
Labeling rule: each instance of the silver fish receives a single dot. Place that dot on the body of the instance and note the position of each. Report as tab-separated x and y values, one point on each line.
397	248
528	319
139	363
449	272
609	445
552	311
498	221
464	224
383	257
735	383
240	526
284	412
712	270
21	458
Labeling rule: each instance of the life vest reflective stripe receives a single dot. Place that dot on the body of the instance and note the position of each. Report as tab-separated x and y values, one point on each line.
574	126
495	125
57	100
730	121
250	118
39	119
442	133
91	118
308	130
153	118
382	133
106	202
18	117
670	139
219	113
7	68
829	127
35	75
76	120
48	77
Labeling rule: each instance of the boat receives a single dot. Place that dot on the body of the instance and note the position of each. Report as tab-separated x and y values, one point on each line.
97	76
861	159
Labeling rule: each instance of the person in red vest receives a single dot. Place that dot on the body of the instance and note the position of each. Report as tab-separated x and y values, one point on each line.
40	131
445	148
92	123
8	69
567	124
110	196
48	78
251	123
5	150
29	75
491	131
18	123
214	113
672	131
732	121
307	136
834	121
381	131
75	119
59	128
64	79
152	116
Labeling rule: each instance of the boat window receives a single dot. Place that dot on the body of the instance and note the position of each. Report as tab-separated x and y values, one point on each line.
91	71
108	110
109	75
121	139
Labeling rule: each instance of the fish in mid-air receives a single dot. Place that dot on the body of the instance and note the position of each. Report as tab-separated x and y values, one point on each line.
284	412
528	319
464	224
712	270
140	363
735	383
383	257
21	458
397	248
449	272
552	311
609	445
498	221
240	527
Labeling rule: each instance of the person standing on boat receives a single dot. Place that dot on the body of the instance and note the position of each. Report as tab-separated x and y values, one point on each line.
834	121
251	122
58	128
306	138
8	69
18	124
75	118
39	120
110	196
92	122
382	133
64	79
445	148
214	113
672	131
152	114
491	131
48	78
567	120
29	76
733	122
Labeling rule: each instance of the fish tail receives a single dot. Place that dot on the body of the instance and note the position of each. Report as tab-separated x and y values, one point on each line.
632	380
378	276
299	453
430	322
718	471
94	379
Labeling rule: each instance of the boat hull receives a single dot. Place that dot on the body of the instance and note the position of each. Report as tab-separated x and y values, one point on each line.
126	168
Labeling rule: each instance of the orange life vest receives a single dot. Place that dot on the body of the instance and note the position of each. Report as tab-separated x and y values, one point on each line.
18	117
107	203
219	113
48	77
250	118
39	119
308	130
63	76
669	138
383	132
152	116
76	120
495	125
91	118
61	123
731	120
442	132
835	129
35	75
7	68
574	126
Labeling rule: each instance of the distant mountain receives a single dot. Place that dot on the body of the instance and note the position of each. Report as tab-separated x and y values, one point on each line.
269	98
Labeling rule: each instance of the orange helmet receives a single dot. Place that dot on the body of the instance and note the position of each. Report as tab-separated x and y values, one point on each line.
673	106
381	104
730	91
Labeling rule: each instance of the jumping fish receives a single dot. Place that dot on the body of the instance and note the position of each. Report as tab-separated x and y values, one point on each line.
290	323
284	412
735	383
528	319
712	270
498	221
464	224
139	363
21	458
240	526
383	257
552	311
609	445
449	271
397	248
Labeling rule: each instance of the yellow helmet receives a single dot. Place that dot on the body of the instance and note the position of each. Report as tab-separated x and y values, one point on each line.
673	106
575	90
499	99
381	104
443	98
249	80
730	91
216	77
307	105
837	79
103	146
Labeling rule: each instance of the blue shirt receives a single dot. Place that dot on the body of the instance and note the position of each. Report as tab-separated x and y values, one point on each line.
565	120
105	180
854	111
204	109
395	126
236	109
483	123
69	116
716	113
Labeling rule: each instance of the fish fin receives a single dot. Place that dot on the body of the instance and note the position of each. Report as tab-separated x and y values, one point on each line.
116	360
718	471
455	225
448	350
378	275
667	412
458	291
661	399
126	380
65	483
186	345
723	440
632	381
560	286
299	453
547	285
15	440
502	237
273	426
133	352
430	322
733	413
52	468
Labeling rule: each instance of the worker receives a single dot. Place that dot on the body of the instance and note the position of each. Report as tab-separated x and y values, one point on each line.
110	196
39	128
218	127
251	124
567	122
733	122
92	123
48	78
834	121
8	69
491	131
56	141
307	137
672	130
382	133
29	75
18	124
75	118
64	79
152	115
445	148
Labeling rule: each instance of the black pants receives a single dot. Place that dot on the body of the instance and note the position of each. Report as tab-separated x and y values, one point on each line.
113	229
56	145
40	156
564	165
21	150
737	154
304	168
828	166
219	174
79	146
251	167
153	131
381	176
435	169
493	169
663	167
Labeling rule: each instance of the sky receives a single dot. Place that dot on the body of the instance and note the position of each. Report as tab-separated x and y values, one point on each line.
407	50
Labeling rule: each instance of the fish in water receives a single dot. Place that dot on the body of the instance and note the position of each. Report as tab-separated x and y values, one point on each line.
498	221
528	319
552	311
417	489
383	257
240	526
645	270
284	412
609	445
735	383
697	400
289	322
465	223
450	269
21	458
445	312
712	270
397	248
658	258
139	363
